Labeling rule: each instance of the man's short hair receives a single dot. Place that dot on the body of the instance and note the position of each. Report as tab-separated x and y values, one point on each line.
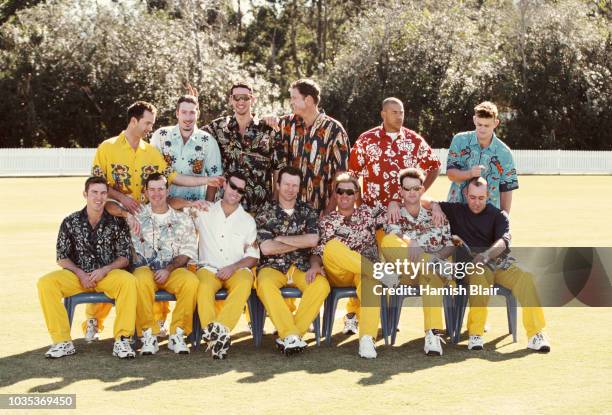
236	174
347	178
291	171
391	100
308	87
477	182
486	109
413	173
241	84
191	99
95	180
138	108
153	177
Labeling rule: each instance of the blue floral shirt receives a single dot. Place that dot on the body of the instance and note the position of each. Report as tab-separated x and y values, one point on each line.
200	156
500	173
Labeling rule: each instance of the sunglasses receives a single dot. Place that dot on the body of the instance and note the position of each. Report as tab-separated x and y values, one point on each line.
415	188
241	97
349	192
241	191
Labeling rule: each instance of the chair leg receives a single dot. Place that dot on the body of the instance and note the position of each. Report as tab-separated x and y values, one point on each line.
68	306
511	310
395	312
259	323
384	318
460	306
252	303
331	317
326	307
317	327
448	316
196	331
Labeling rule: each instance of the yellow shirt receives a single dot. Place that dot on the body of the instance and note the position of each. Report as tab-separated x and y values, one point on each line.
125	169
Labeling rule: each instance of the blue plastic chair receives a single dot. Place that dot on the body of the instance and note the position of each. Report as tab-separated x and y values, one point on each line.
259	317
511	310
331	303
395	310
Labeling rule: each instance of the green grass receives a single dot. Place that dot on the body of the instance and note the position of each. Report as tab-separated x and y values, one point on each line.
576	377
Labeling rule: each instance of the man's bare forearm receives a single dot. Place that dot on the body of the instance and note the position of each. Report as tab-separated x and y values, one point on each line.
431	177
505	202
272	247
177	262
248	262
458	176
300	241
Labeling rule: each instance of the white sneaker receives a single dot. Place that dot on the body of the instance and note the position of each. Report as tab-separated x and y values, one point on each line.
280	344
475	343
163	330
433	343
122	348
217	336
176	342
367	349
60	350
350	324
539	343
91	331
390	280
293	345
149	343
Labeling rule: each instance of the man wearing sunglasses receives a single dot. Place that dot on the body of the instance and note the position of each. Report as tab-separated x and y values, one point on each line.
417	238
287	231
248	145
346	251
228	249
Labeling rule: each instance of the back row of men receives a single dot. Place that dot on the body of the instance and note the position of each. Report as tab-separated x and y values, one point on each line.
311	150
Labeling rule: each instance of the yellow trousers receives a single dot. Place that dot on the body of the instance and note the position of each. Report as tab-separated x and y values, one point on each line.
269	283
522	287
238	288
347	268
182	283
395	248
117	284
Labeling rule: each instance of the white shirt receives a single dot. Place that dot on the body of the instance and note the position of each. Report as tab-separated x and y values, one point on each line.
225	240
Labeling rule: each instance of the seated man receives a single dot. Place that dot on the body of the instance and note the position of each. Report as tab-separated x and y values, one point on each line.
486	230
416	238
346	250
164	245
228	250
93	247
287	230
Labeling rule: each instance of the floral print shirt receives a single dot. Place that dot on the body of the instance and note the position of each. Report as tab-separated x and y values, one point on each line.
256	154
378	158
199	156
273	221
320	151
421	229
356	231
91	249
163	237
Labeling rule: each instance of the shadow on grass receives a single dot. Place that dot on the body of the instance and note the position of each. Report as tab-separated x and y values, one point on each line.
95	362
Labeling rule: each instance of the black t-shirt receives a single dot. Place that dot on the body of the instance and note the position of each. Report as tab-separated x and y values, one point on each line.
479	231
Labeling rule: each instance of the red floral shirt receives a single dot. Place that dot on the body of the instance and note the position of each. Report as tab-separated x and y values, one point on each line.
378	158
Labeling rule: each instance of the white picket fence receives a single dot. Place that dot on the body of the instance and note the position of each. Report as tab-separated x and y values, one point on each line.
77	161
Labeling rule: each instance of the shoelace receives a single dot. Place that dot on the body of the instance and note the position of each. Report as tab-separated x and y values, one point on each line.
438	335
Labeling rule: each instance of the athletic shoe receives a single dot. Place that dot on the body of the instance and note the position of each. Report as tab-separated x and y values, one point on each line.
176	342
367	349
91	331
539	343
293	345
217	336
280	344
475	343
350	324
60	350
433	343
149	343
390	280
163	330
122	348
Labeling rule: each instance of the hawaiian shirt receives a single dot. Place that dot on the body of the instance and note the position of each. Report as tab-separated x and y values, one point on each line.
421	229
91	249
273	221
320	151
500	173
199	156
378	158
356	231
125	169
256	154
163	237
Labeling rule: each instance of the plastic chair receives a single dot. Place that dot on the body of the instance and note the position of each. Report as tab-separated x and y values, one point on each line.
331	303
511	310
395	310
259	317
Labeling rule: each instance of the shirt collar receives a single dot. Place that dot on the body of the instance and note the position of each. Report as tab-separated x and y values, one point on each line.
494	142
177	131
383	133
142	144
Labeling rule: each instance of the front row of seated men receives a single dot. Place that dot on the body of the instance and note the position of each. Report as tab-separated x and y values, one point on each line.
94	248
